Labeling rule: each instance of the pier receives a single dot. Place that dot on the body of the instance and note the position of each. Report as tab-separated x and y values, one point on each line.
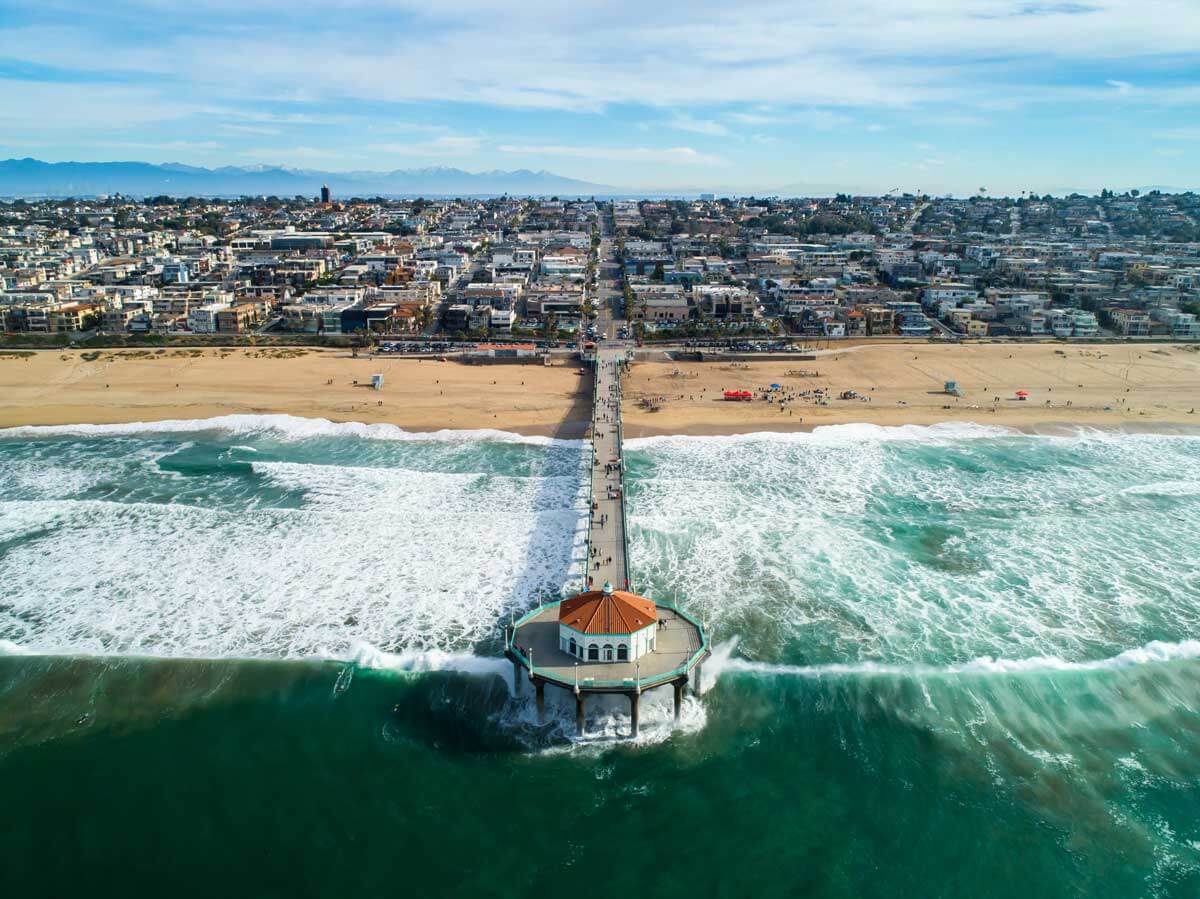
606	639
607	559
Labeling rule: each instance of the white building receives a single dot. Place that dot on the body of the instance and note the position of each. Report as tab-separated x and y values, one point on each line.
203	319
607	626
954	293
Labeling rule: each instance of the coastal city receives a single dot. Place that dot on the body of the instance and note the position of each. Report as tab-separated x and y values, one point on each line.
723	450
741	272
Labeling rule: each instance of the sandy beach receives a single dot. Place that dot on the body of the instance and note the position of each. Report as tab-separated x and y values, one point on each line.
111	386
1151	386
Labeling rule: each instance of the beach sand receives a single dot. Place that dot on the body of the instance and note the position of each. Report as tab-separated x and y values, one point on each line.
1130	386
148	385
1150	386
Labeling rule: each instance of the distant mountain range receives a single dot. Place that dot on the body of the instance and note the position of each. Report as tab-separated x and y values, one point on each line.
34	178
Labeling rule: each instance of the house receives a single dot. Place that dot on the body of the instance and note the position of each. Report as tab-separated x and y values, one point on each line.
722	301
502	320
913	324
564	262
880	320
203	319
660	308
238	319
947	293
556	301
1182	325
457	317
1130	322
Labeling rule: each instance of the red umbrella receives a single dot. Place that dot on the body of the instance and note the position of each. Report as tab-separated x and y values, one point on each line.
1022	393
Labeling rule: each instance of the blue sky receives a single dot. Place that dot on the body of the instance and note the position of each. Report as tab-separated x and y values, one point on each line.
861	95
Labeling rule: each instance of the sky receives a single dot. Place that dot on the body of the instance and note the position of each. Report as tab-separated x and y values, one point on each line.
940	96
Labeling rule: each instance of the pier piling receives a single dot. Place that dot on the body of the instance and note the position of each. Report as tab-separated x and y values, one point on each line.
539	687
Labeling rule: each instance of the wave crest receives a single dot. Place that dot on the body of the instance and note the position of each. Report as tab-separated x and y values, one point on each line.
1155	652
287	427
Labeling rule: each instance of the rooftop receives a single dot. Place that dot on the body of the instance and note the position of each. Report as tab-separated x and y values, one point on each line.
607	612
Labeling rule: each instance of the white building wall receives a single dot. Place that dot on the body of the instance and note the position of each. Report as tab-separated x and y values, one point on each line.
640	642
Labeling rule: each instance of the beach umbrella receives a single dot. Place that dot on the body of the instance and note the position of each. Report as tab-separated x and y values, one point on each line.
1022	393
777	387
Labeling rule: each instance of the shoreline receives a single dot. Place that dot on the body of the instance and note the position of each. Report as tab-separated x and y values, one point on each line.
1140	389
183	425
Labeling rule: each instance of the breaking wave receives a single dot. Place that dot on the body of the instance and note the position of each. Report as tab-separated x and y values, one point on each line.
838	434
284	427
1156	652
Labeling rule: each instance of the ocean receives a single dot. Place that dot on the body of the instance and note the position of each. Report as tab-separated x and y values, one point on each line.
260	656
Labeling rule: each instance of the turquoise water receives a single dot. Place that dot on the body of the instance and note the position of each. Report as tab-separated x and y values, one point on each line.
261	659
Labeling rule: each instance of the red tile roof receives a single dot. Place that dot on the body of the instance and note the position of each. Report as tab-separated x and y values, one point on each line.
596	612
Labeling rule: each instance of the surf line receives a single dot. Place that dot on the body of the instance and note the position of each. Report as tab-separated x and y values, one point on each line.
1154	652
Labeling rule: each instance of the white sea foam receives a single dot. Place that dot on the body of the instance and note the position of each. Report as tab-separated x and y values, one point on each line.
1155	652
285	427
397	558
837	435
607	720
1164	488
907	551
365	655
836	545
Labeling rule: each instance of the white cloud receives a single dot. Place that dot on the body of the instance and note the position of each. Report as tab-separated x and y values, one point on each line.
1185	133
446	145
685	155
698	126
755	118
235	128
819	119
750	73
673	54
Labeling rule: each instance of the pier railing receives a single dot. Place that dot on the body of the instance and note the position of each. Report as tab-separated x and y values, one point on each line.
621	455
592	458
630	682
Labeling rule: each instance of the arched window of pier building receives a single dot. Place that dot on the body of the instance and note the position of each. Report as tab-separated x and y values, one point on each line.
593	653
622	652
574	648
608	656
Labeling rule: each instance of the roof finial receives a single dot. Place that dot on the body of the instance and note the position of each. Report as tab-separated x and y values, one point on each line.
608	588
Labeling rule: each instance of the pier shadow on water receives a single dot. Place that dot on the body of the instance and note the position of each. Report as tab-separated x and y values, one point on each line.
483	710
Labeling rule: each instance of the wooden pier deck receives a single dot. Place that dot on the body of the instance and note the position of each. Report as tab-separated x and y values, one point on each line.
607	541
